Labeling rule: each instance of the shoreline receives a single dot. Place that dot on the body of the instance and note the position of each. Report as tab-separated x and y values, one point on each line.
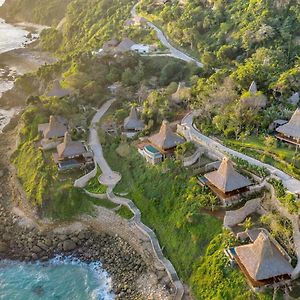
125	255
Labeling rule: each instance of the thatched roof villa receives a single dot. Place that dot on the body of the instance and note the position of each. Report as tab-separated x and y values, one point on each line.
161	145
72	154
264	261
226	182
166	139
290	132
133	122
56	128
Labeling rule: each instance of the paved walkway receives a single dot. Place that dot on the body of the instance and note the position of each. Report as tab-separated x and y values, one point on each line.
110	179
174	52
292	184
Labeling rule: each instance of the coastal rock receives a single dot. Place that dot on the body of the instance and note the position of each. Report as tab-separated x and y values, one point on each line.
69	245
36	249
3	247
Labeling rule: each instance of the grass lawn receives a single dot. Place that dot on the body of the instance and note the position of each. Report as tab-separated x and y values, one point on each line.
280	156
124	212
192	240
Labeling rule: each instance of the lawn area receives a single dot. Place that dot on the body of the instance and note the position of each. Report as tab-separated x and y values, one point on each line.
280	155
192	240
124	212
94	185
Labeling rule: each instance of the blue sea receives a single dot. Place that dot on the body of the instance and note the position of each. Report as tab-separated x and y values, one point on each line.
58	279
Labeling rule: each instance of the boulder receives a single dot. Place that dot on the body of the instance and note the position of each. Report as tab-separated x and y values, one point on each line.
3	247
69	245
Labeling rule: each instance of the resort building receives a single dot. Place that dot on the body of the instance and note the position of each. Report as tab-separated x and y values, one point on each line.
226	183
290	132
161	145
72	154
263	261
132	123
124	46
53	132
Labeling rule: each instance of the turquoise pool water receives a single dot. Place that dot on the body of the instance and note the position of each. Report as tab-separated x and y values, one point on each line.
58	279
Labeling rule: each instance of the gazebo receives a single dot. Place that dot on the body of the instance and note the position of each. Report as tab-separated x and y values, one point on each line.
290	132
132	123
263	262
226	182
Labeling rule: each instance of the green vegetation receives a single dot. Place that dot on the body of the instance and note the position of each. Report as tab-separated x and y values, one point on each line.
245	165
214	278
94	185
171	202
47	12
268	150
124	212
288	200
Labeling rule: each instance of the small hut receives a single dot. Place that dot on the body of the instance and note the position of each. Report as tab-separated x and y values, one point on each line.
132	122
290	132
166	139
226	182
55	129
263	262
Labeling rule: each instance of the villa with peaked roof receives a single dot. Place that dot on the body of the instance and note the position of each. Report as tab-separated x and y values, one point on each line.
290	132
72	154
132	123
161	145
226	183
53	132
264	261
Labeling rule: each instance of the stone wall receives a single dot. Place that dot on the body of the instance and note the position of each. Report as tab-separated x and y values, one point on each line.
82	181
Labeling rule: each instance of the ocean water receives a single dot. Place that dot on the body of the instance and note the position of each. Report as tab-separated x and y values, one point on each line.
11	37
58	279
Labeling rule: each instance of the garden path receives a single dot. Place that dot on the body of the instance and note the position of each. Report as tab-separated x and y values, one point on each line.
110	179
174	52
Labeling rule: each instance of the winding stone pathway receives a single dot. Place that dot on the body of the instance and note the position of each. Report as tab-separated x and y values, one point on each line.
110	179
174	52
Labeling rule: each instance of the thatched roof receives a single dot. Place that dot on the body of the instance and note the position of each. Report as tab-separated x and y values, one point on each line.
262	259
133	122
55	128
57	90
292	128
125	45
166	138
253	88
69	148
226	178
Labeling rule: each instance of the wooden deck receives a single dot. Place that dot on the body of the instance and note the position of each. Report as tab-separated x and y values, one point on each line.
287	139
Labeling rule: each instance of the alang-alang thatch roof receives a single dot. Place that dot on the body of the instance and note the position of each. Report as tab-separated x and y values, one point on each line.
55	129
292	128
262	259
226	178
70	148
133	122
166	138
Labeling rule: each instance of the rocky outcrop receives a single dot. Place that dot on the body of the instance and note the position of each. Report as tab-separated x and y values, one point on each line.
124	265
